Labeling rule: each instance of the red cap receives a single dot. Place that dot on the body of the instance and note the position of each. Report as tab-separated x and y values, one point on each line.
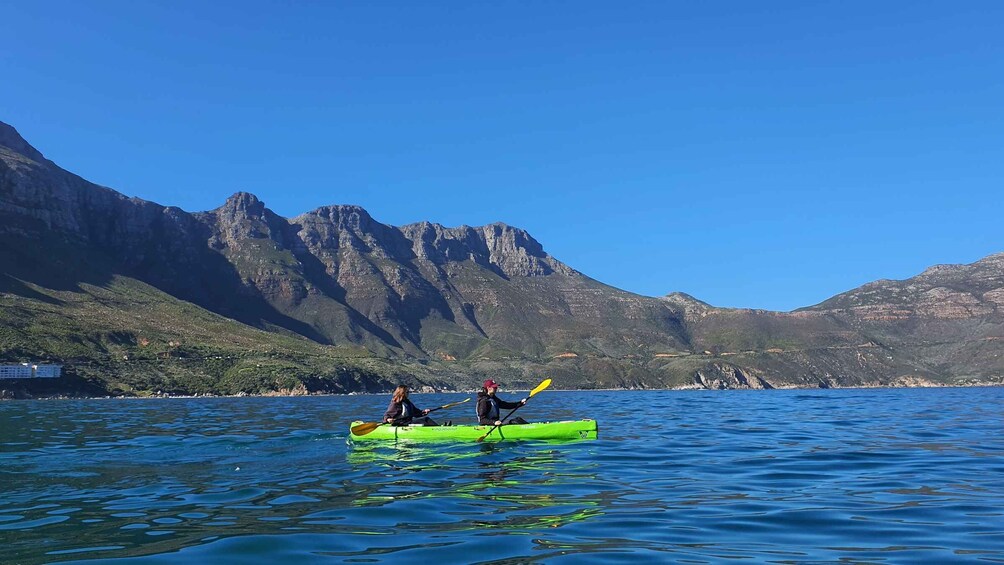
491	384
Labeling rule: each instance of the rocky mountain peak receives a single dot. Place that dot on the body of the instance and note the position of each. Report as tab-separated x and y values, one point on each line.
991	262
244	216
512	237
941	270
11	139
344	216
687	303
347	226
243	204
684	298
460	301
514	252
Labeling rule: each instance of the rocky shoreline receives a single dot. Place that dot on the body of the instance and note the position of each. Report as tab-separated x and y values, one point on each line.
13	394
240	298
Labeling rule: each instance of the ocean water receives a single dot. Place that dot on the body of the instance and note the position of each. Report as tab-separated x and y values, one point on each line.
866	476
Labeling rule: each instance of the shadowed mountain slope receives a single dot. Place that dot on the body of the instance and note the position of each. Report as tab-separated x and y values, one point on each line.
441	306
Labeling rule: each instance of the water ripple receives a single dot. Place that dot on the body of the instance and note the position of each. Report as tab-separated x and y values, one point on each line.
891	476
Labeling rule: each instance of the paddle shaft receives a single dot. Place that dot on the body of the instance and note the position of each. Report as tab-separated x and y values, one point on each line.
546	383
511	412
365	428
502	421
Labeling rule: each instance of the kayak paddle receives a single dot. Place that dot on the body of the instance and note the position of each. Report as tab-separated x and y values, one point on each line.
546	383
367	427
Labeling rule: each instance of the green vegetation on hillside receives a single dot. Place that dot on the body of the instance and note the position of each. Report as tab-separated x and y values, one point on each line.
129	338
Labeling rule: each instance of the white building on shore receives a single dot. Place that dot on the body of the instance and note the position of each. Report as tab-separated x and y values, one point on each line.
30	371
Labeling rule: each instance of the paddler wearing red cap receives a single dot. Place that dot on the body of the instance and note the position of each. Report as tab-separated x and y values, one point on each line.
489	406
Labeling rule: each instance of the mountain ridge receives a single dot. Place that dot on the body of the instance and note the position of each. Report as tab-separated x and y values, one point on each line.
447	306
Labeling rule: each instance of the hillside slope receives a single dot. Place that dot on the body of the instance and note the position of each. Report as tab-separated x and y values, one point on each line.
136	297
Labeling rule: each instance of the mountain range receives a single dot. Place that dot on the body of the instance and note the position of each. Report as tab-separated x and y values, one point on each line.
133	297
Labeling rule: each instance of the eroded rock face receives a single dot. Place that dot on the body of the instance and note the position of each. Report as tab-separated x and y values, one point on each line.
11	140
332	274
943	291
338	276
721	376
38	199
510	251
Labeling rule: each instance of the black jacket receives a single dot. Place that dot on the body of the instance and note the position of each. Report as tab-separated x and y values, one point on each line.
488	414
398	411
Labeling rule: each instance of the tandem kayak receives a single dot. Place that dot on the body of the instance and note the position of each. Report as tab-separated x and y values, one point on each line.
571	429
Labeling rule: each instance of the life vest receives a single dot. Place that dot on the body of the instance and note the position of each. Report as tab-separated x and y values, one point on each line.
405	417
493	409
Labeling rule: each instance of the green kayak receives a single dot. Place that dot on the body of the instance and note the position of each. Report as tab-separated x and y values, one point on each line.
572	429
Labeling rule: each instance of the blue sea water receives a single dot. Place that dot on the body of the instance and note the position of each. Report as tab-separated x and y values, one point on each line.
868	476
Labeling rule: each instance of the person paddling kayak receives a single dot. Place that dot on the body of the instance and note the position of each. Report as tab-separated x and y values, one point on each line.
489	405
401	411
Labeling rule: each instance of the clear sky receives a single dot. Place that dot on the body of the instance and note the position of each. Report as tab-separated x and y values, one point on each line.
753	154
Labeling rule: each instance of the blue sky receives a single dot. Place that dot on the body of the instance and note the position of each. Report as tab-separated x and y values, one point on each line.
752	154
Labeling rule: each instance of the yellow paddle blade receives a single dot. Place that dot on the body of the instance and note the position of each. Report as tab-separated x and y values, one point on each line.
365	428
452	404
546	383
540	387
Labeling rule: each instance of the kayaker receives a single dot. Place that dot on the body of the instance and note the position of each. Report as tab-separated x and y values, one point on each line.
489	406
401	411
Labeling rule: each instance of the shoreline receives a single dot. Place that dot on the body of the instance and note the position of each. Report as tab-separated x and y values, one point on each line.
986	384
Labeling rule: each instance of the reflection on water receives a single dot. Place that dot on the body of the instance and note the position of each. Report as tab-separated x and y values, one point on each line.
784	476
522	485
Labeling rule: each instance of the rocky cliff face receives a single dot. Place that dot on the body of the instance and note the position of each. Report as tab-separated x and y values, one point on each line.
949	317
946	292
483	298
336	275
